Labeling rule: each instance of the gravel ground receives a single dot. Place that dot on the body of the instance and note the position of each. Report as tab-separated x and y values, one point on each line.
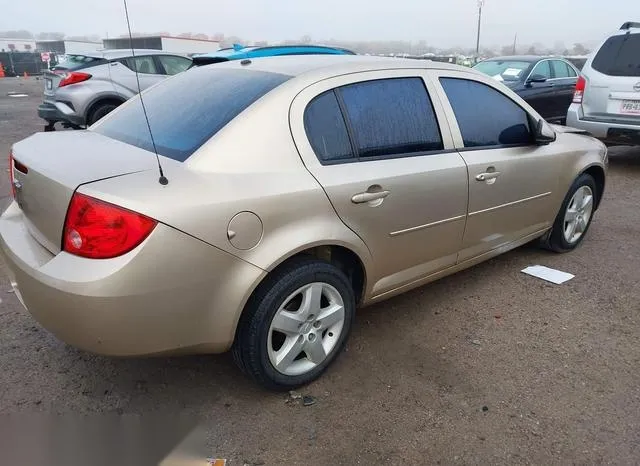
489	366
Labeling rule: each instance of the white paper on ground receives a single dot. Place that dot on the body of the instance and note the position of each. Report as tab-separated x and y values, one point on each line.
551	275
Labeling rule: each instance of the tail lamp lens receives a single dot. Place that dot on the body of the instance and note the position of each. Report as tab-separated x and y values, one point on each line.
99	230
578	93
72	77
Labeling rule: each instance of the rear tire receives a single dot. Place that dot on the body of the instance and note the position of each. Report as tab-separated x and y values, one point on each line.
100	111
283	341
575	215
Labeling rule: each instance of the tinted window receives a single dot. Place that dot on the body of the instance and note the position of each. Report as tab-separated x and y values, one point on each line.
144	65
619	56
77	62
326	129
543	69
185	111
562	70
473	101
174	65
391	116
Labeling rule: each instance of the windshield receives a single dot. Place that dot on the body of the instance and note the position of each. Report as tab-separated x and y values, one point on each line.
186	110
503	70
76	62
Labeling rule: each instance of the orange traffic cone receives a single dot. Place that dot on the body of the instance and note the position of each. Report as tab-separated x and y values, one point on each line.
25	75
1	70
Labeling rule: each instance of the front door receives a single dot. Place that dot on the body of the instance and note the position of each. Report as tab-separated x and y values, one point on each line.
511	180
382	150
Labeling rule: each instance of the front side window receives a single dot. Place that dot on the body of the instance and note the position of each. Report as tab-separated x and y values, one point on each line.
485	116
391	117
542	69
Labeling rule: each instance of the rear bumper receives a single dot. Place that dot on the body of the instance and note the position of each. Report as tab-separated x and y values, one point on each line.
53	112
604	130
173	294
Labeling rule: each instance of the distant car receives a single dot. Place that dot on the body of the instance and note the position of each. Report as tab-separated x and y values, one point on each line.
240	52
606	102
297	188
85	87
545	83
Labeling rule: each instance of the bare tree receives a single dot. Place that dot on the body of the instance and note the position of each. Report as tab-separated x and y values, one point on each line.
579	49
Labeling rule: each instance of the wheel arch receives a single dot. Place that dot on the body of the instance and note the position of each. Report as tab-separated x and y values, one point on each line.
101	100
598	174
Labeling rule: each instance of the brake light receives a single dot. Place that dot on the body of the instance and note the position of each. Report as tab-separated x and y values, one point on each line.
72	77
578	93
99	230
11	180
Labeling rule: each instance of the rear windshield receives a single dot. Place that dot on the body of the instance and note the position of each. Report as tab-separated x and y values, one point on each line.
76	62
186	110
619	56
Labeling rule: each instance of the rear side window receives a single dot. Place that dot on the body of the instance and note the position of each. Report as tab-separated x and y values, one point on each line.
186	110
144	65
508	123
78	62
326	129
562	70
619	56
391	117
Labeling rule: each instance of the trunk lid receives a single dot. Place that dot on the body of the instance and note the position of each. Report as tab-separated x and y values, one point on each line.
56	164
612	90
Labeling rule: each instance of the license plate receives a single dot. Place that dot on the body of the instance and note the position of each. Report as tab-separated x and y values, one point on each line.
48	84
630	106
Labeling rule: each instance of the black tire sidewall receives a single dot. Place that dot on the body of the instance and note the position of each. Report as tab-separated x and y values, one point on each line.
557	241
101	112
254	331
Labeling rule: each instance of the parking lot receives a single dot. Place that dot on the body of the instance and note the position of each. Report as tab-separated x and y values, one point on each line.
489	366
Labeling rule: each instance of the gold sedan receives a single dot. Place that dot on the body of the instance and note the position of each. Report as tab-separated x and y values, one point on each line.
293	190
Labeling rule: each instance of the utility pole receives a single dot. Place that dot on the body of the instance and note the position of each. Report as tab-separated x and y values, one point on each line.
480	5
514	43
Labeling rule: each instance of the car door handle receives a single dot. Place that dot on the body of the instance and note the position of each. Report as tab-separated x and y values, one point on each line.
487	176
361	198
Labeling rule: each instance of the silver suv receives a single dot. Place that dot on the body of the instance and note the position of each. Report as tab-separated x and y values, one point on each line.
84	88
606	102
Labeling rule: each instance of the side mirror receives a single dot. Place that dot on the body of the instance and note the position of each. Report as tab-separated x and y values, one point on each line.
544	133
536	78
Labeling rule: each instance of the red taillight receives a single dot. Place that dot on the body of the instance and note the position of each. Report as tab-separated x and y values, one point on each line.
100	230
578	93
11	180
72	77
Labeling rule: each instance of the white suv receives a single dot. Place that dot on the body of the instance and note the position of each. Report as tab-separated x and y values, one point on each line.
606	102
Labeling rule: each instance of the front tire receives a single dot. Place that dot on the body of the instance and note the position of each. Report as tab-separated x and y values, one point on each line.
295	324
572	222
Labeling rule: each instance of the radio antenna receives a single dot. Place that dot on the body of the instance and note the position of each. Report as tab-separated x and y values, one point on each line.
163	179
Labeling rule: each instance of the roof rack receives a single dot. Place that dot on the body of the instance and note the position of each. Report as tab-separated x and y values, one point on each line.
629	25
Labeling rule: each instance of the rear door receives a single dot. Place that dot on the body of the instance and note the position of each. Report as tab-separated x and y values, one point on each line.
511	180
613	81
381	148
564	83
124	76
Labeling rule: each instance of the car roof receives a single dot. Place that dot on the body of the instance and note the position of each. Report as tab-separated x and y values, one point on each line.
524	58
233	53
322	66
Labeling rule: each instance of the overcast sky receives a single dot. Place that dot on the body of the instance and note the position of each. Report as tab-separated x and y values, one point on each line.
441	23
